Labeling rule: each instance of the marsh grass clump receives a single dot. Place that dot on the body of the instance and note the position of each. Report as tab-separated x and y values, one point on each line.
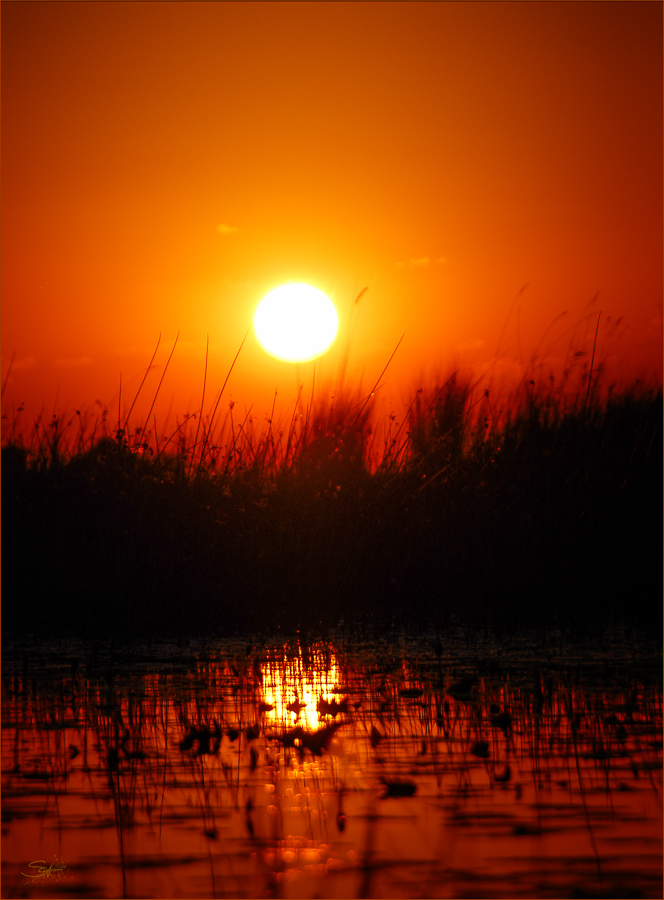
334	439
538	508
437	427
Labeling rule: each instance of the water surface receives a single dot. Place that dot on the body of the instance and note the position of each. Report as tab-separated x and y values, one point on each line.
409	767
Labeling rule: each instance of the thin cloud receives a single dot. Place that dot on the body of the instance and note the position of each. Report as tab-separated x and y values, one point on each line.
224	229
471	345
126	350
422	262
419	263
73	362
25	362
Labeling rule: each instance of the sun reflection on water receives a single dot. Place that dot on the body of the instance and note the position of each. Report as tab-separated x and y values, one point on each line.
295	682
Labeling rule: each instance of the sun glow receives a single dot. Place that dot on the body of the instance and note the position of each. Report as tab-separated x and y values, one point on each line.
296	322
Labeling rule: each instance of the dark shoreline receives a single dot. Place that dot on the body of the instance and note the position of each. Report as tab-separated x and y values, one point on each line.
553	522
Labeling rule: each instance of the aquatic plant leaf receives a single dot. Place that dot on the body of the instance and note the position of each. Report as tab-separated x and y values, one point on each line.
398	788
480	749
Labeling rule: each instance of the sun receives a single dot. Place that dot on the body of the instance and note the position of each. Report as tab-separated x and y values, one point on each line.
296	322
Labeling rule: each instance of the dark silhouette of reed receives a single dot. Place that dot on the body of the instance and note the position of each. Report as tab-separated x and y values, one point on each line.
539	508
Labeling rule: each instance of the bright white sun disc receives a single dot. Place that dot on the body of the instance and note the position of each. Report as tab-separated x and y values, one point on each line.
296	322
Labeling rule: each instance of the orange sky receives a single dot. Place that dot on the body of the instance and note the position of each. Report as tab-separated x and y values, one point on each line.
164	165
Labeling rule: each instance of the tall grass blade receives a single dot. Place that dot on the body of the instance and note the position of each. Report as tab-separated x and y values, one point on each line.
216	406
147	371
9	371
592	361
200	415
163	375
375	387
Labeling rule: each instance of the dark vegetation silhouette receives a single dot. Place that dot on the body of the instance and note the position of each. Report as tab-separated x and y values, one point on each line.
543	510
